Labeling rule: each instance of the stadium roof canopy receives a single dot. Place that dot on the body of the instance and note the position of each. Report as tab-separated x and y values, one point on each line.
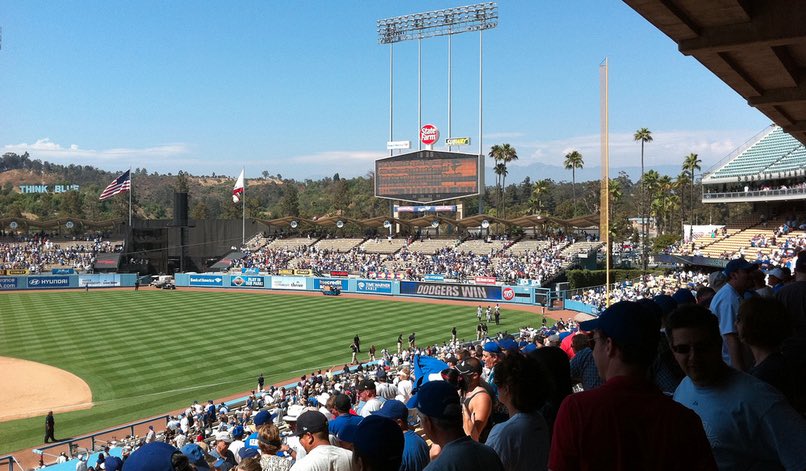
756	47
770	155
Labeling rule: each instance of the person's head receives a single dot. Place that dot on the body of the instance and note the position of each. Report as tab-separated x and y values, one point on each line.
684	296
396	411
580	342
196	456
341	404
346	436
222	441
704	296
555	361
776	276
378	444
237	432
716	280
696	343
249	464
439	409
763	323
268	439
491	353
470	370
366	390
522	383
311	428
625	336
739	274
157	456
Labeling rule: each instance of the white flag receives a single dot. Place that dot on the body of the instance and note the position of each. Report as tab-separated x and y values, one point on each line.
237	192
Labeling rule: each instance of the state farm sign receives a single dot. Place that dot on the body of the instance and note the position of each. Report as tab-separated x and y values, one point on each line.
429	134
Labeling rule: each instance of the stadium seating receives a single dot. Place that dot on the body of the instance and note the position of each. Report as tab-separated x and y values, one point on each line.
431	246
383	246
524	246
338	245
774	152
482	247
290	244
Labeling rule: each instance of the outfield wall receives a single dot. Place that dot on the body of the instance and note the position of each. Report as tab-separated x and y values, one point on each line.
485	293
54	281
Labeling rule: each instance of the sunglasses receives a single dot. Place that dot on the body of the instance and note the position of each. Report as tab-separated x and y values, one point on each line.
685	349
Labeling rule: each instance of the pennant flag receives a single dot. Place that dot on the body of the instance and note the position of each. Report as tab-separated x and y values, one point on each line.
118	185
237	192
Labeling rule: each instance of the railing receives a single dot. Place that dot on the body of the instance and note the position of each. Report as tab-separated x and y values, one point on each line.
733	154
754	194
73	442
10	460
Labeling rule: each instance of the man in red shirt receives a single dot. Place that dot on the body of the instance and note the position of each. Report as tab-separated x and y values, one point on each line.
627	423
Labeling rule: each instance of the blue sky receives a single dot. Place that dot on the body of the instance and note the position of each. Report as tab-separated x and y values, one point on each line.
301	88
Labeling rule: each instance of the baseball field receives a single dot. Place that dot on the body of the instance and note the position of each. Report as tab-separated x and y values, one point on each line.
147	352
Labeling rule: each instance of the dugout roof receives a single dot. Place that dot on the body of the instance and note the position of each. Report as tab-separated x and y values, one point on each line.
758	48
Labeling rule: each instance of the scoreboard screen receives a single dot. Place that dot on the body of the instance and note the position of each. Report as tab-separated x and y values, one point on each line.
427	176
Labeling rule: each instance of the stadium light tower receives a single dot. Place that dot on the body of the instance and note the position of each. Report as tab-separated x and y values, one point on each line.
447	22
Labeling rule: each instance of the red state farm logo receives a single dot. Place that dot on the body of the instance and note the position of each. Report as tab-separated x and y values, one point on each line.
429	134
509	294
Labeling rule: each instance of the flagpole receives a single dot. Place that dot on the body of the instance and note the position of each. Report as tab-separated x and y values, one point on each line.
131	188
243	209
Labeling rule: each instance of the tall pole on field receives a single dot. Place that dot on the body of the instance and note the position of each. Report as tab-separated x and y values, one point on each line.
604	196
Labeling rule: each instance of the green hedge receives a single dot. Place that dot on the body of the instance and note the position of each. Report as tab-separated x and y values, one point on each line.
587	278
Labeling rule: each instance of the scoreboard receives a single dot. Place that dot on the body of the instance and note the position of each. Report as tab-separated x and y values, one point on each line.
427	176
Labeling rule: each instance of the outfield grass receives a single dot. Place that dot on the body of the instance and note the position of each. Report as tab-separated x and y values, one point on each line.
147	352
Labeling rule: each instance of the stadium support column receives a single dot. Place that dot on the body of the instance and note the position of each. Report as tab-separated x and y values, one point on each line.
391	94
604	196
481	126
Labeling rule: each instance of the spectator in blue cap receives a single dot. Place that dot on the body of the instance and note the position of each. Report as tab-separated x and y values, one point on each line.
157	456
378	444
112	463
684	296
196	456
440	414
415	450
606	427
237	433
490	355
725	305
261	418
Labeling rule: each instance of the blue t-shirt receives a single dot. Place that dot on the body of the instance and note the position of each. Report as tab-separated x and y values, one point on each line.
749	424
415	452
464	454
522	442
337	424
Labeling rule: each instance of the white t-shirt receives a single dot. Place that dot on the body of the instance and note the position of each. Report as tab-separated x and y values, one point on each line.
371	406
326	458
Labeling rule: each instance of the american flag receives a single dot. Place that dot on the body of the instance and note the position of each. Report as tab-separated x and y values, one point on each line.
118	185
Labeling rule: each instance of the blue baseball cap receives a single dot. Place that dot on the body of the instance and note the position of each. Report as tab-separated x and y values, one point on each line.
262	417
684	296
154	456
195	455
381	440
508	344
113	463
246	453
492	347
738	264
439	399
237	431
666	303
347	433
628	324
393	409
222	464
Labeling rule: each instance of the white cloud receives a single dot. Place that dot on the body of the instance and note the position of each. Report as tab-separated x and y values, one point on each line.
345	157
57	153
666	148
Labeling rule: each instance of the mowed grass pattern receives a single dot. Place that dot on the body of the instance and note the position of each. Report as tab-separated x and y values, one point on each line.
147	352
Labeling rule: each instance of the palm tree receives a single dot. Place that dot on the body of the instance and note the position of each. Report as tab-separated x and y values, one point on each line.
691	164
643	135
680	186
650	183
496	154
573	161
541	188
502	154
500	170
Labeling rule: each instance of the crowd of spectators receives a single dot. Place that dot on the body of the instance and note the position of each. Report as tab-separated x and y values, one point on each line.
647	286
451	262
40	252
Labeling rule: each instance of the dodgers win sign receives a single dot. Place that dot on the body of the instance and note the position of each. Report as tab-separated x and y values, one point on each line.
446	290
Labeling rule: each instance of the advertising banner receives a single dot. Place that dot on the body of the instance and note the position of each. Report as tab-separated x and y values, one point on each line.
245	281
48	281
318	283
8	283
285	271
372	286
303	271
339	273
485	280
16	271
250	271
528	282
205	280
434	277
99	280
445	290
288	282
63	271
